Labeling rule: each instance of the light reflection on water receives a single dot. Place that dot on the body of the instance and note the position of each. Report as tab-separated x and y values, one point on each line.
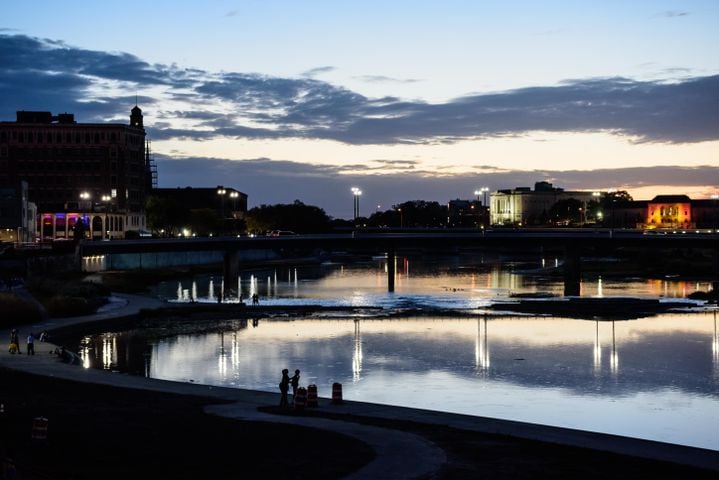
418	284
655	378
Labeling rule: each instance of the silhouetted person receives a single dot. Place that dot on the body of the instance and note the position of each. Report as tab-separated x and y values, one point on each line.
284	387
295	382
31	344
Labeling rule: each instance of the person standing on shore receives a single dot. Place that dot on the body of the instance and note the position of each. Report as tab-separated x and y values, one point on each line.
14	341
31	344
284	387
295	382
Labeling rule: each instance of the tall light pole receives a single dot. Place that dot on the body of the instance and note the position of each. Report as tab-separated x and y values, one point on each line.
484	191
233	196
87	205
221	192
105	201
356	192
478	193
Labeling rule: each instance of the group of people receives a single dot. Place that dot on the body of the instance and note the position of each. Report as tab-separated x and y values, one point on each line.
15	342
254	297
285	383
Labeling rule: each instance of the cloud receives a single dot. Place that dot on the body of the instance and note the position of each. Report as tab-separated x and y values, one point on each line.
383	79
40	74
268	181
672	13
313	72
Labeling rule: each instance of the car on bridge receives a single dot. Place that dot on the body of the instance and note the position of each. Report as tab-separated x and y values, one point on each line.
281	233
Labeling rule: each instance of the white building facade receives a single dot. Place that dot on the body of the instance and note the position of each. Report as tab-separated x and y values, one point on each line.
523	206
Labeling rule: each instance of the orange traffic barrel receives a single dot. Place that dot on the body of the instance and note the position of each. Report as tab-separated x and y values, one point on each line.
312	395
336	393
39	428
300	399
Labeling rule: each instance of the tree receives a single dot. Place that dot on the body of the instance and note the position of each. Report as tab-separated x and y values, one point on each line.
297	217
164	214
204	221
566	212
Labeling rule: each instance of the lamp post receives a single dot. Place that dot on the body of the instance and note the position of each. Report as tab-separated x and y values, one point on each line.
356	192
233	196
105	230
221	192
478	193
401	218
484	191
85	204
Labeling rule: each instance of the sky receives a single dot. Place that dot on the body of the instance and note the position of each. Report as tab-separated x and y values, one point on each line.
302	100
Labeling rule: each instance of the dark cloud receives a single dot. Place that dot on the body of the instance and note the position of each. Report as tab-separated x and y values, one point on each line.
683	111
274	181
50	75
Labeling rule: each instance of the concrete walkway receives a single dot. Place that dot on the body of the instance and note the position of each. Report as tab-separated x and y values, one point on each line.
400	455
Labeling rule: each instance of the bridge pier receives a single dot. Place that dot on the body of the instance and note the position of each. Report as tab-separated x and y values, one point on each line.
572	270
230	268
391	259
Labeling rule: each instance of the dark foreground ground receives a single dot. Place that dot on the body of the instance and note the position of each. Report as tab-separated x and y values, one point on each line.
111	433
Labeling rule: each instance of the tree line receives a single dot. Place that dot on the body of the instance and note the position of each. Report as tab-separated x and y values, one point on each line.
166	218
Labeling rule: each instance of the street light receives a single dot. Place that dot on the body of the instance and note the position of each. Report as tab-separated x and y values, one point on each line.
221	192
478	193
356	192
233	196
484	190
105	231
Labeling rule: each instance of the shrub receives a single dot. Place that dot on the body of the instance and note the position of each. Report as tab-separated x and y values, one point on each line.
17	311
64	306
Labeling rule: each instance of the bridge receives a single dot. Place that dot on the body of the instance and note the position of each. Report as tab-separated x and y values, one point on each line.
571	243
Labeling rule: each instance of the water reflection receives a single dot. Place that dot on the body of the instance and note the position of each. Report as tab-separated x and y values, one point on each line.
357	354
543	370
715	350
482	347
458	284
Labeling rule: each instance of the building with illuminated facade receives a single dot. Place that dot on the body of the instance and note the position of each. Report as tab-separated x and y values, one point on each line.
669	211
86	179
523	206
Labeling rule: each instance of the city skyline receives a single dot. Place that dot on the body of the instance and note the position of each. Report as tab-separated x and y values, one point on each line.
411	100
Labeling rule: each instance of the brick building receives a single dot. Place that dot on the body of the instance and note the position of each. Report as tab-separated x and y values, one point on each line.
90	175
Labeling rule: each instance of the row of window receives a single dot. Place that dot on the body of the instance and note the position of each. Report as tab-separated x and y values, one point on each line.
33	136
58	153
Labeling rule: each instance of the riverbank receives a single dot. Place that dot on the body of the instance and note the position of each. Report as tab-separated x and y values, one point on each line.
139	433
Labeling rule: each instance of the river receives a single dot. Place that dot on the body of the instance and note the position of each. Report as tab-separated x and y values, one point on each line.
654	377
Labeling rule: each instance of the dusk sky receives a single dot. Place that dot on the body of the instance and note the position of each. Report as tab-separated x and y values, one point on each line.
406	100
